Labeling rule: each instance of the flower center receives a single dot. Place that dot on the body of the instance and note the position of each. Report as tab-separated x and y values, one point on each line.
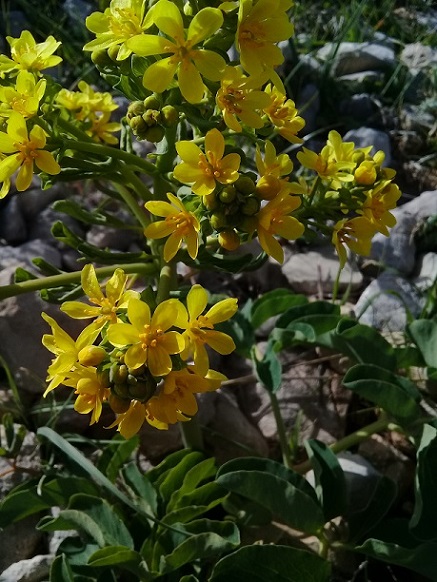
27	151
150	337
125	23
182	222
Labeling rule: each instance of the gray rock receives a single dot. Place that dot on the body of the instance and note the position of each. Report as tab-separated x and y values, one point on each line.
308	105
367	136
362	81
13	227
398	250
112	238
426	271
355	57
315	271
384	303
42	227
413	118
35	200
21	323
22	255
361	107
418	56
35	569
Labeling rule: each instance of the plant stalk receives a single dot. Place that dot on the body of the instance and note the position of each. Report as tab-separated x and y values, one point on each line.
282	434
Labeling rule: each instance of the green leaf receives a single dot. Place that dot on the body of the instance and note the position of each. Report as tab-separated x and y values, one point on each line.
423	520
202	471
421	559
363	521
395	394
261	563
305	309
274	302
229	264
61	570
158	473
286	502
329	478
269	368
208	495
209	538
241	331
424	335
93	516
141	486
116	454
76	211
114	556
18	505
175	477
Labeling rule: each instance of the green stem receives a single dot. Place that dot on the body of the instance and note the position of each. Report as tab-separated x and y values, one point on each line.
336	285
353	439
285	449
147	269
110	152
167	281
132	204
192	434
137	184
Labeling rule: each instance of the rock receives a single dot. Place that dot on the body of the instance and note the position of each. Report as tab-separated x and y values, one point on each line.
156	444
384	303
413	118
417	56
35	569
35	200
355	57
21	323
12	257
308	106
363	81
309	395
367	136
398	250
42	227
361	107
13	227
316	270
426	271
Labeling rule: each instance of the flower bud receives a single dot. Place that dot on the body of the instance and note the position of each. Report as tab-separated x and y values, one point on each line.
169	116
118	405
218	220
143	390
245	185
267	187
210	201
251	206
154	134
101	59
152	117
228	195
229	240
113	52
121	390
135	109
249	224
91	355
152	102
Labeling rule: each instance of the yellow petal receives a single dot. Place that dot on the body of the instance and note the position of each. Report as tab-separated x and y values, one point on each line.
197	300
24	177
146	45
139	314
158	76
220	342
172	245
222	310
168	19
122	334
204	24
210	64
159	361
190	83
215	142
47	163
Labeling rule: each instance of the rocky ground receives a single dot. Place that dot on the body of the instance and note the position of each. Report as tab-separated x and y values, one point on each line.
382	290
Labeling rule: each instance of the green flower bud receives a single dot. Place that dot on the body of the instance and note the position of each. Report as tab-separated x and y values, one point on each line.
229	240
210	201
103	377
245	185
154	134
138	126
249	224
121	390
169	116
118	373
118	405
218	220
136	108
143	390
152	102
251	206
101	59
152	117
228	195
113	52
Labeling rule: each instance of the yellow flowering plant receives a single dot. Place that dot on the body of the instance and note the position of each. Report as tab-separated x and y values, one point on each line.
215	181
201	168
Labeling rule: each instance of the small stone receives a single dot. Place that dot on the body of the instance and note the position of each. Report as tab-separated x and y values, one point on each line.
426	271
354	57
13	227
35	569
367	136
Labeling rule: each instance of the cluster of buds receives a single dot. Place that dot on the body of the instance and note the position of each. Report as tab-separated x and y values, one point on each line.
149	119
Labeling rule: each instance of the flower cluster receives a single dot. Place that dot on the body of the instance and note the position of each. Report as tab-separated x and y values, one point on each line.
354	181
146	363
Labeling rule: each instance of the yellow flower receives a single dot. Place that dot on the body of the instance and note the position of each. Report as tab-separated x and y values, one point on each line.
239	97
28	55
90	390
179	225
24	97
66	350
261	24
282	113
273	219
379	201
123	20
176	400
199	329
102	129
187	61
147	337
24	150
131	421
356	233
86	101
105	308
271	169
202	171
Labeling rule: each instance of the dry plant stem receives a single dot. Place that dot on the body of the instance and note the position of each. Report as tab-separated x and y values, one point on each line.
147	269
